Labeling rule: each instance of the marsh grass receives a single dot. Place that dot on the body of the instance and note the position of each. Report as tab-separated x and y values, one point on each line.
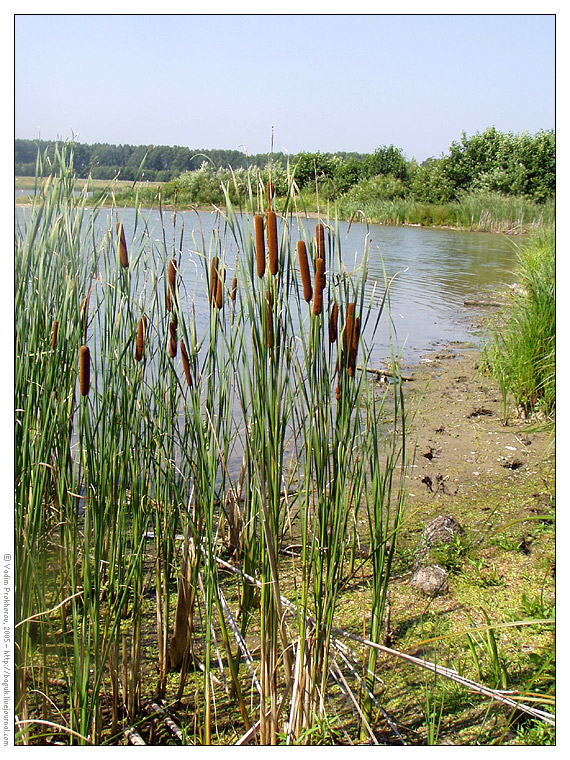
147	571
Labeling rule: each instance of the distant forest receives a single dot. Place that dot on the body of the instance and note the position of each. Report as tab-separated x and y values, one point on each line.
522	165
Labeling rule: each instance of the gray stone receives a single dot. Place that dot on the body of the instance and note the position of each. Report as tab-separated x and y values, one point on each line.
431	580
442	530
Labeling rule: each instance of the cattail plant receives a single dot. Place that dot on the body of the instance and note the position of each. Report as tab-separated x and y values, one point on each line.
213	292
185	363
124	259
348	327
259	244
170	288
54	334
305	272
272	242
141	335
234	288
319	286
84	370
333	323
353	347
220	288
173	339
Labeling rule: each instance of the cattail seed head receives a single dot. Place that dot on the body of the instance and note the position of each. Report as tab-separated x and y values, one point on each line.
141	335
272	242
220	289
333	322
124	259
234	288
320	241
173	340
84	370
259	244
185	363
338	391
319	286
170	288
353	347
213	279
54	334
305	272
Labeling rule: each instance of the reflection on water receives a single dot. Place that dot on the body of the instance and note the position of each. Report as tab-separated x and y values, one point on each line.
434	271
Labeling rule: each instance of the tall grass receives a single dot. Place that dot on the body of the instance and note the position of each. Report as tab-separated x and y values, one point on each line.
522	354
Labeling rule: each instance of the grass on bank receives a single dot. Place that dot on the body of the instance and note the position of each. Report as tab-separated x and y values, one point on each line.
522	354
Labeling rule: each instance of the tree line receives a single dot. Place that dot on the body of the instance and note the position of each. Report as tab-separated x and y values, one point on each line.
522	165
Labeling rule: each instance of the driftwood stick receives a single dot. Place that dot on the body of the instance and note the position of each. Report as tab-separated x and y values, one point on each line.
482	303
385	373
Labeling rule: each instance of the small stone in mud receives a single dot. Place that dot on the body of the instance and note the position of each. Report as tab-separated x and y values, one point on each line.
514	465
431	580
480	412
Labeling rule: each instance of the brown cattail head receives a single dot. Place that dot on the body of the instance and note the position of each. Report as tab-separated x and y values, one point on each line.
259	244
84	370
305	272
270	190
338	391
213	279
124	259
54	334
272	242
141	335
234	288
319	286
353	347
220	289
320	241
333	322
170	288
173	341
185	363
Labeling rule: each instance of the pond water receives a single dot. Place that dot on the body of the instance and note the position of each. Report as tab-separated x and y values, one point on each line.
436	271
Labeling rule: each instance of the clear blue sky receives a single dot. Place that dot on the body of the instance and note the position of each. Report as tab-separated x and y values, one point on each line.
324	82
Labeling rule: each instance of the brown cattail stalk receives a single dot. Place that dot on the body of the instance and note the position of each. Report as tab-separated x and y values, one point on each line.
54	334
124	259
270	191
170	288
234	288
173	341
84	370
320	241
259	244
213	279
319	286
305	273
333	322
272	242
353	347
220	289
141	334
185	363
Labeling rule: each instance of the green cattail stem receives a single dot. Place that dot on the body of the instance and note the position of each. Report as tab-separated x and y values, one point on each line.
259	244
272	242
305	272
124	259
84	370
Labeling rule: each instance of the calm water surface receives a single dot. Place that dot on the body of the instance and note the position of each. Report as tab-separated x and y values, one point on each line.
436	271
